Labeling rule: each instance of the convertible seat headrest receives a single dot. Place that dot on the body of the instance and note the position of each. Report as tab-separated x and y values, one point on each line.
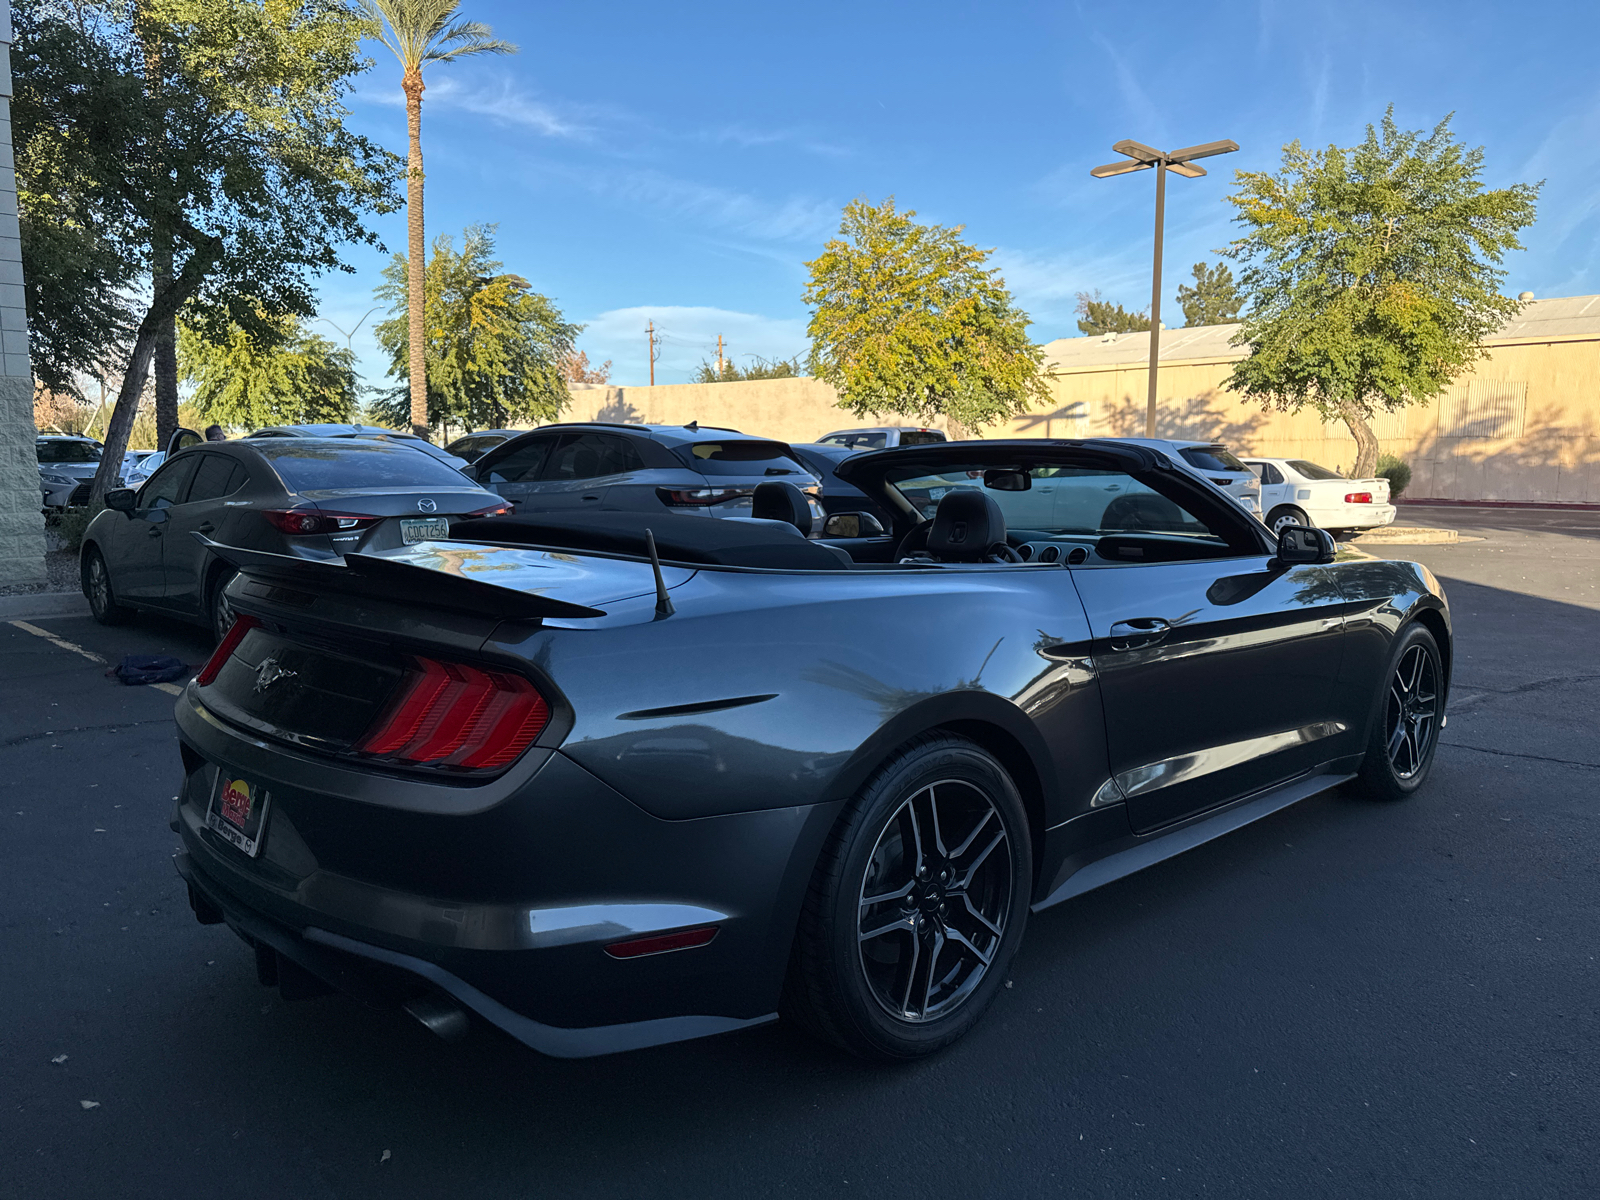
779	500
966	525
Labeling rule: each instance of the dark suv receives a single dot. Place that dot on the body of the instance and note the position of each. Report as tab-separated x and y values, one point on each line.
678	468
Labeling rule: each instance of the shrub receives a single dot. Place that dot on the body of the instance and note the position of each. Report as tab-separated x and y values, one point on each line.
69	524
1397	471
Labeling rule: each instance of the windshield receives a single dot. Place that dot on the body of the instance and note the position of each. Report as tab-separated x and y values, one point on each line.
859	441
1312	471
744	457
68	452
1062	500
1211	458
306	466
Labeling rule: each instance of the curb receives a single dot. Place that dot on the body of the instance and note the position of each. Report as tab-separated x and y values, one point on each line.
43	604
1408	535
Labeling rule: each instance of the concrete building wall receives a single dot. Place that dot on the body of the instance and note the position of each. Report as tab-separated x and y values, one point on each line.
21	526
1523	425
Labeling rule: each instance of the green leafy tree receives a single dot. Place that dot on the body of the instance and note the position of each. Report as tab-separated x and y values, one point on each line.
1213	300
203	151
420	32
761	368
1374	273
289	379
1097	316
907	319
496	349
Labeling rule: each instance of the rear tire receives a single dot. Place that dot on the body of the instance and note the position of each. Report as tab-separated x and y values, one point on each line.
96	581
1405	723
217	607
940	837
1287	514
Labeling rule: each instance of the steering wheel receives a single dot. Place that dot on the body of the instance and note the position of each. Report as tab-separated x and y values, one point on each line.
1002	552
916	540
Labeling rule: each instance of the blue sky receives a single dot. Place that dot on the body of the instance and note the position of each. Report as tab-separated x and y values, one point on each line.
681	163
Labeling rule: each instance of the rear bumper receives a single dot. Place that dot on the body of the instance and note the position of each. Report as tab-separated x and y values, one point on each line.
1358	516
503	897
385	977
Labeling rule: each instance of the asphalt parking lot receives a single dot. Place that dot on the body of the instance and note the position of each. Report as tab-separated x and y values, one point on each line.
1346	999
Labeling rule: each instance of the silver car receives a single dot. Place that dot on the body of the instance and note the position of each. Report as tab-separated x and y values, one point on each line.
66	463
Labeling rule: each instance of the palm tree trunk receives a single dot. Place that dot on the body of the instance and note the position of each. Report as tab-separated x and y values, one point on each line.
416	294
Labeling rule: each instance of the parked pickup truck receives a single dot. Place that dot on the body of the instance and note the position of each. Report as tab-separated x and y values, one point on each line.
1297	492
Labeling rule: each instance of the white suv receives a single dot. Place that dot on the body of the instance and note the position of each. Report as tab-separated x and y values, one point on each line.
1212	460
882	437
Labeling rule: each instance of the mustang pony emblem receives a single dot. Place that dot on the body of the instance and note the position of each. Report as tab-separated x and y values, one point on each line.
269	673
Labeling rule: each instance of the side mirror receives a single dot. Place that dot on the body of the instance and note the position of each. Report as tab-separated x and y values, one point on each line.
1008	481
852	525
120	499
1299	546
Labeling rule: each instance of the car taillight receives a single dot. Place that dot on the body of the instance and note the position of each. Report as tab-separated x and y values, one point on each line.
454	715
695	497
494	510
662	943
225	648
1358	498
307	520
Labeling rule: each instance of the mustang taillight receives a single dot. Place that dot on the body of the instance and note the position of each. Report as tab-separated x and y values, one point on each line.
1358	498
697	497
306	520
450	714
225	648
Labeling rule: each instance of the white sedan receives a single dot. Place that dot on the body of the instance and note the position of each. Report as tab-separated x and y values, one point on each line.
1297	492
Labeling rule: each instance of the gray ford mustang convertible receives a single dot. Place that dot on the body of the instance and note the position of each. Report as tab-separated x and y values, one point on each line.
606	780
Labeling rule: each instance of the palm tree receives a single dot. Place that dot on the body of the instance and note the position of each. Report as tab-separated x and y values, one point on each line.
421	32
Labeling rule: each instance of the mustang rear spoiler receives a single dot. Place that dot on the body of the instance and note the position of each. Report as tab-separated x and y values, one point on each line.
400	582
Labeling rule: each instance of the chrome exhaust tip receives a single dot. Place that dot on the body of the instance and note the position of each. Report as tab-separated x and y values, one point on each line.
440	1015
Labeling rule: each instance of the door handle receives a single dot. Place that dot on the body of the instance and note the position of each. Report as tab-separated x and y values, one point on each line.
1140	631
208	527
153	531
592	496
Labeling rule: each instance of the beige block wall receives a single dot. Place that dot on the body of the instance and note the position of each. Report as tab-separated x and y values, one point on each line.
1556	458
791	410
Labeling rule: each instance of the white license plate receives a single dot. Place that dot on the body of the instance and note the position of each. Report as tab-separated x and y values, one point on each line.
238	813
423	529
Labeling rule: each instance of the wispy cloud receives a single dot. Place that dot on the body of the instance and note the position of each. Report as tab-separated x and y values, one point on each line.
1134	97
687	336
499	99
746	137
1319	95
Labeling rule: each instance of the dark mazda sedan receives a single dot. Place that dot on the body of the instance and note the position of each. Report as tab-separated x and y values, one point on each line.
303	497
610	779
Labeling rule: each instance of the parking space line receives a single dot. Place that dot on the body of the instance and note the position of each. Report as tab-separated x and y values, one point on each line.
171	689
62	642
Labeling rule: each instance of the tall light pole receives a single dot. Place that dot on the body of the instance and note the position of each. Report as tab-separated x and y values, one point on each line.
1141	158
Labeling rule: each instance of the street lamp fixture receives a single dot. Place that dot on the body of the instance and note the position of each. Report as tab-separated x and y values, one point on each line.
1140	157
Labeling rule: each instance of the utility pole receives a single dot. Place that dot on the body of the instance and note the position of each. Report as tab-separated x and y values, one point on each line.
1140	158
719	358
650	334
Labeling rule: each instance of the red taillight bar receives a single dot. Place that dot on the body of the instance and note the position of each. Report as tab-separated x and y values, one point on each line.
458	716
1358	498
241	625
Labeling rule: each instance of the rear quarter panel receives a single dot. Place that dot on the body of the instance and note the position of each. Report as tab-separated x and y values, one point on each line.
838	669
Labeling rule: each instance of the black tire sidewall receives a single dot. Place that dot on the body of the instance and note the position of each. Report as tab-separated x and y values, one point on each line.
111	613
1378	776
1288	510
862	1020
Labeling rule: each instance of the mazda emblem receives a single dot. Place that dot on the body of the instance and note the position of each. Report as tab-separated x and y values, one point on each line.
426	505
269	673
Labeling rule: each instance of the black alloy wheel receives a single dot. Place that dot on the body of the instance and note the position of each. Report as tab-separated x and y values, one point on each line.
1405	728
96	577
917	905
221	612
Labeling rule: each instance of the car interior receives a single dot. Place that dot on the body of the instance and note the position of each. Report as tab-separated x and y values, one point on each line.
1015	515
